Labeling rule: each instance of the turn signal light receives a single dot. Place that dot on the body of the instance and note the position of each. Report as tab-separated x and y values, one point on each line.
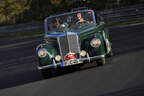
58	58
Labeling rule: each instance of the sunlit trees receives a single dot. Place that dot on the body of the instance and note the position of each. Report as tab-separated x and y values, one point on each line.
9	9
56	2
13	11
60	5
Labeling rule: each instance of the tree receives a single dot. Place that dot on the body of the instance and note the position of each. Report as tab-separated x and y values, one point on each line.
118	2
9	9
61	5
56	2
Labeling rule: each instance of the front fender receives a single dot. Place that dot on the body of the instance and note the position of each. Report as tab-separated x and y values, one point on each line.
51	53
93	51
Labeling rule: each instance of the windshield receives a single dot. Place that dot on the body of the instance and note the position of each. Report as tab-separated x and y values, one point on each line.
73	20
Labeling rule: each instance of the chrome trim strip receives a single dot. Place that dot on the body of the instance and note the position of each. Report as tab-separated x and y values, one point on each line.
88	57
95	57
60	48
94	18
79	47
54	63
47	66
82	59
68	40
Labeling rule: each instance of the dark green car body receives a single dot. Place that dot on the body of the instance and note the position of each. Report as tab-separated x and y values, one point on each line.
76	41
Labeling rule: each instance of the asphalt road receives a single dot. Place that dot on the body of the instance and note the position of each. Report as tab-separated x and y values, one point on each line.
121	76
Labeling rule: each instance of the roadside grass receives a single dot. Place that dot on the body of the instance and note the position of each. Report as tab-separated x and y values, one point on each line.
41	33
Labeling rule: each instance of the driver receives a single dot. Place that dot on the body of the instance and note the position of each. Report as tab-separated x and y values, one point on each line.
80	18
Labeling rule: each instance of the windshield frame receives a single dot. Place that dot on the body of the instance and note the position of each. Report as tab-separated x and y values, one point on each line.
67	13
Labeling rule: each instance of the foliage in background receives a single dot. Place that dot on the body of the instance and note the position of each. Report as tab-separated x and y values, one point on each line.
10	9
19	11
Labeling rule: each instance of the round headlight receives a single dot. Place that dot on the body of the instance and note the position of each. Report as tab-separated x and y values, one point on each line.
42	52
95	42
58	58
83	53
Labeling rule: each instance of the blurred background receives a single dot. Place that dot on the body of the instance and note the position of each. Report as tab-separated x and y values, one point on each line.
21	11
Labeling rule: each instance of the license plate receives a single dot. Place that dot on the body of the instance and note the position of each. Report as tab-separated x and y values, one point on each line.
71	62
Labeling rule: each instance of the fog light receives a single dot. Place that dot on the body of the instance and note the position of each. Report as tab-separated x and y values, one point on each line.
58	58
83	53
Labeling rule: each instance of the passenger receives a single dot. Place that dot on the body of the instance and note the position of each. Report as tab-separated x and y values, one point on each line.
57	24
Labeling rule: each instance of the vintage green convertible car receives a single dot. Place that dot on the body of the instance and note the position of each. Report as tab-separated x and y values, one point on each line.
73	38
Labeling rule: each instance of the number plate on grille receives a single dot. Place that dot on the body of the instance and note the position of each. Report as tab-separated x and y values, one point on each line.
71	62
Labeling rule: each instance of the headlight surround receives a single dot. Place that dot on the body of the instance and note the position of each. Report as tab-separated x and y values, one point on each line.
42	53
58	58
95	42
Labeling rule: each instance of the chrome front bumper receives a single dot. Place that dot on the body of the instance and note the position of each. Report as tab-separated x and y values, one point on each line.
82	60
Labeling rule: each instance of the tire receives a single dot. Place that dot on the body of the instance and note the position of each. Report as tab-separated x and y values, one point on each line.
101	61
110	54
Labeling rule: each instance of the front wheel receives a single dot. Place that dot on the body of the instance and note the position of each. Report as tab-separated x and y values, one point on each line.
101	61
109	49
110	54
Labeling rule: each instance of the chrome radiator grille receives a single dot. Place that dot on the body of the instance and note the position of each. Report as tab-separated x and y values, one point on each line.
69	43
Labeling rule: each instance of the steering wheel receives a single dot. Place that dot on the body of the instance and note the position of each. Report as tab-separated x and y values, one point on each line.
79	23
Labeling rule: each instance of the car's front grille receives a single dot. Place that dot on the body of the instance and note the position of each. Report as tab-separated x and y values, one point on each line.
68	43
64	45
73	43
